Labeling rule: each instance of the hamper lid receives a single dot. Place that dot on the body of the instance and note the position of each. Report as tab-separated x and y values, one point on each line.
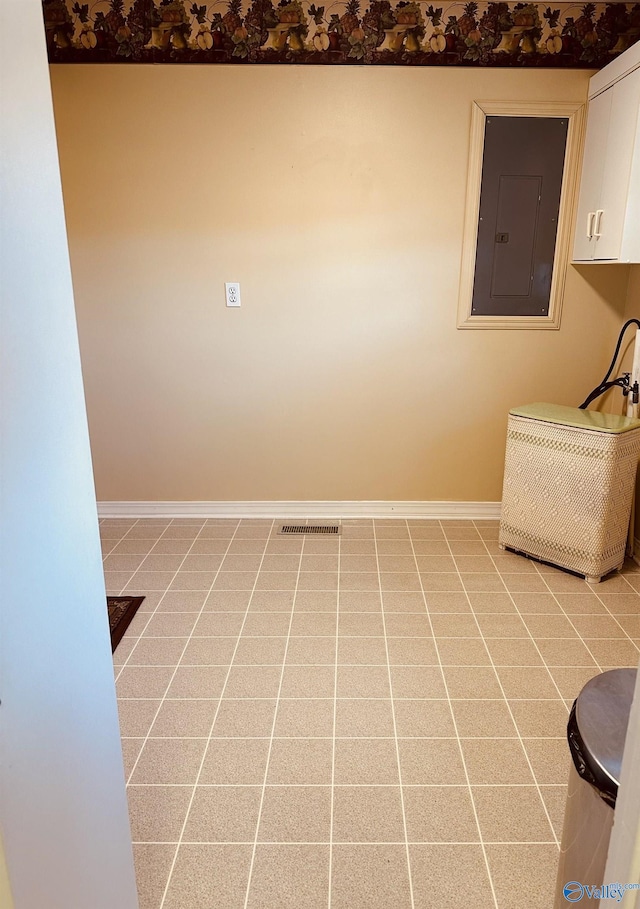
573	416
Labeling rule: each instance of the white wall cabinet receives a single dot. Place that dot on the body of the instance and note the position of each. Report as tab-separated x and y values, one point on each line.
608	219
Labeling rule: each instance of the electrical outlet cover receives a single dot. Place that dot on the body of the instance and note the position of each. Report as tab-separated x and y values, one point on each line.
232	293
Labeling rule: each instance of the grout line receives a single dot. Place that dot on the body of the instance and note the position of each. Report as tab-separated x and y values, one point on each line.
395	729
206	748
273	726
455	725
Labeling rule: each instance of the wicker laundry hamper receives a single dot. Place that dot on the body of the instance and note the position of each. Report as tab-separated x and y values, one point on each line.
568	486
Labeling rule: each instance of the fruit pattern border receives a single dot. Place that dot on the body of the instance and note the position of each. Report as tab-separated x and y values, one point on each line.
376	32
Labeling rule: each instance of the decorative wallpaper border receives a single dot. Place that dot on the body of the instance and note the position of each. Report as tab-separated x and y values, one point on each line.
404	32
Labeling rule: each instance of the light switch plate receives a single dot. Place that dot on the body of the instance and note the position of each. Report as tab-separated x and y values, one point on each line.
232	293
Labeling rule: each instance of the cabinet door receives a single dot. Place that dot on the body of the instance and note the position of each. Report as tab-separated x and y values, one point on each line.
619	157
592	174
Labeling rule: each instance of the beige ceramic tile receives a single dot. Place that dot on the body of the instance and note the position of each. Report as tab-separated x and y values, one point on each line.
197	682
359	580
439	814
463	652
524	582
429	563
367	814
185	717
305	717
370	877
438	581
253	682
597	626
149	651
233	580
428	718
412	652
404	601
511	814
614	652
314	624
186	580
446	601
472	682
549	759
362	624
496	761
365	761
143	681
515	652
361	601
483	718
364	718
235	762
362	650
300	762
311	651
212	624
158	812
308	681
165	761
295	814
290	877
226	601
153	862
201	870
271	601
433	762
455	626
555	798
223	814
416	682
570	680
136	716
502	626
527	682
435	867
249	562
363	682
260	651
244	718
528	870
316	601
214	651
182	601
540	718
491	602
266	624
565	652
349	562
407	625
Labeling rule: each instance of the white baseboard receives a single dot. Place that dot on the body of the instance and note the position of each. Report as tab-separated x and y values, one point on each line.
478	511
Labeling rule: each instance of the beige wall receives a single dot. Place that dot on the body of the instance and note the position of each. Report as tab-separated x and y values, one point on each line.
335	195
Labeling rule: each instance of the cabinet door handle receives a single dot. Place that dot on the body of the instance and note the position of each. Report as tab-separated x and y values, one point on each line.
590	219
596	230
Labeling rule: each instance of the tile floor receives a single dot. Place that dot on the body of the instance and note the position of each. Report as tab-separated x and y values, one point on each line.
369	721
